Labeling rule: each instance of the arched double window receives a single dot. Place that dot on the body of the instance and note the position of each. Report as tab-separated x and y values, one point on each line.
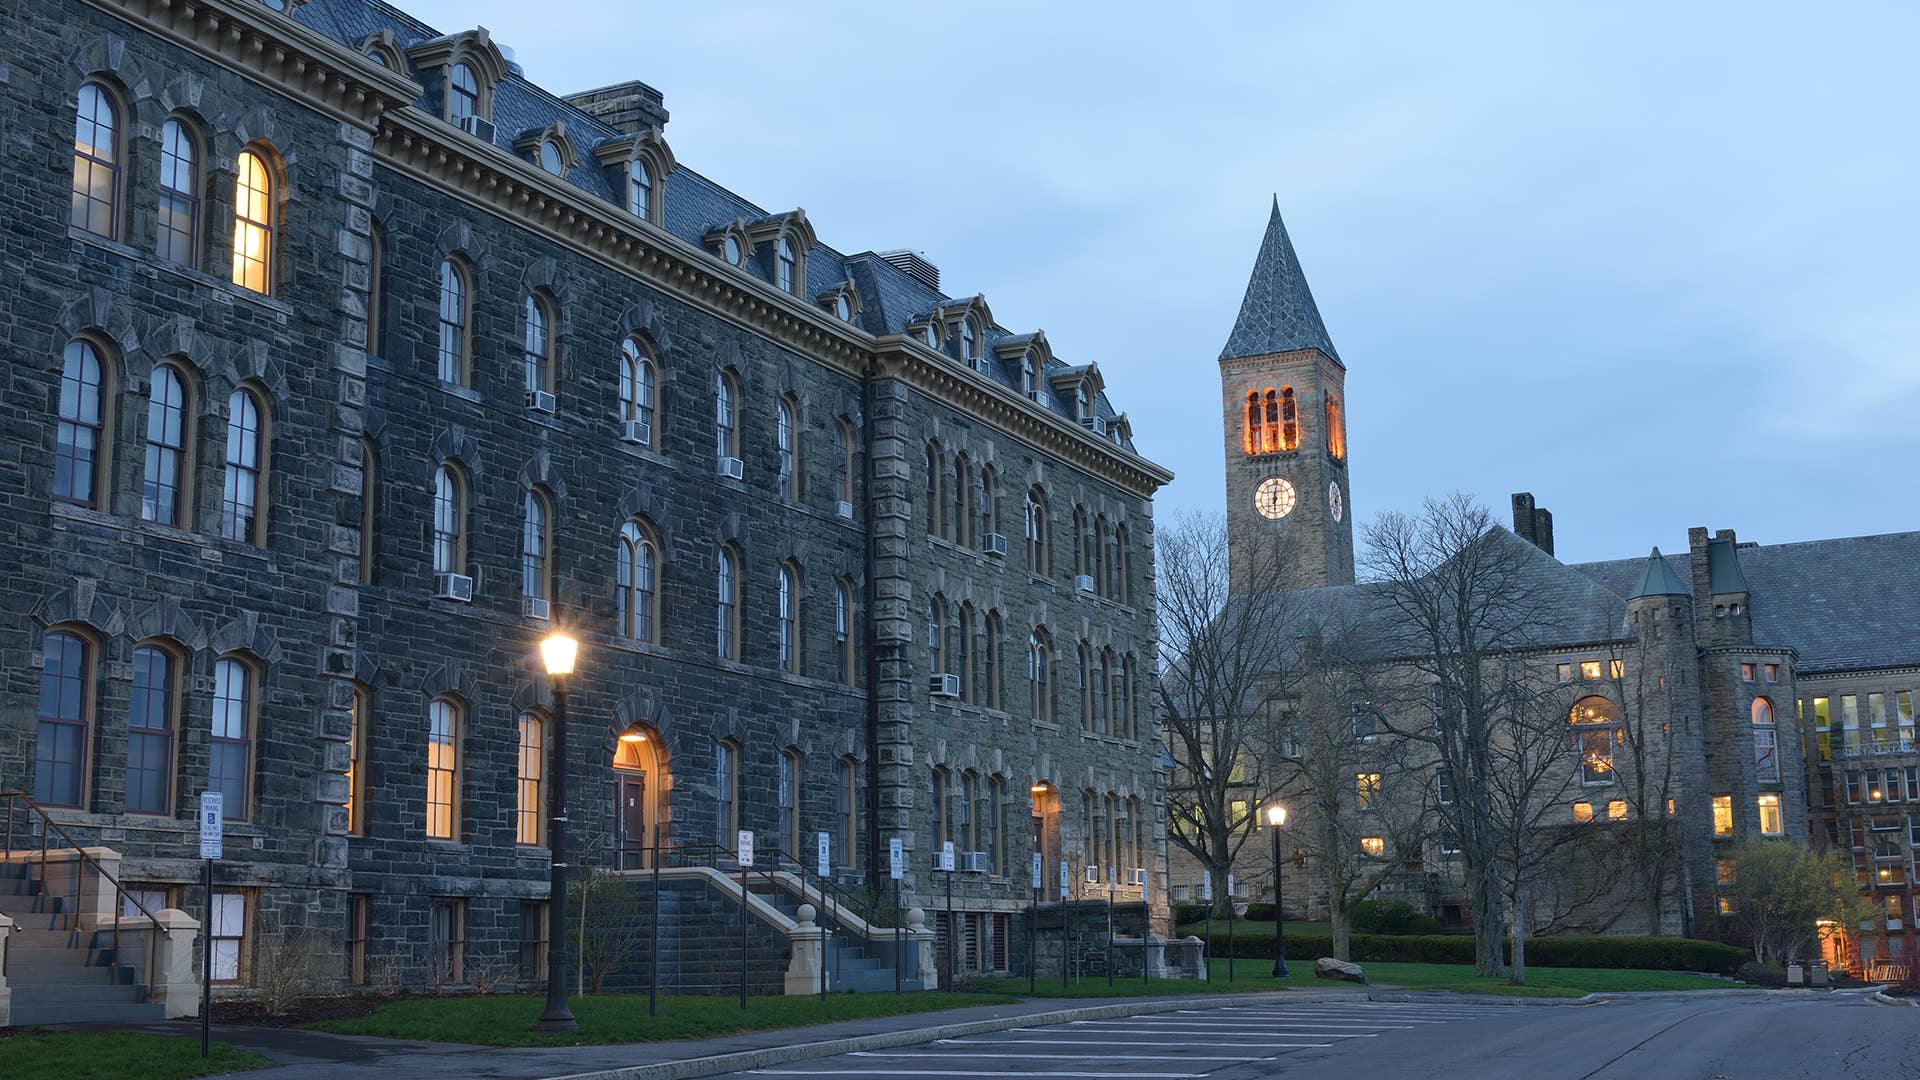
1040	675
788	271
177	229
537	347
449	520
86	385
169	427
455	308
536	547
64	721
253	222
639	387
636	575
789	611
245	483
96	162
727	588
151	711
463	93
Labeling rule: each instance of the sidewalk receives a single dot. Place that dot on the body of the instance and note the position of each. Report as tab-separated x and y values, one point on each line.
319	1055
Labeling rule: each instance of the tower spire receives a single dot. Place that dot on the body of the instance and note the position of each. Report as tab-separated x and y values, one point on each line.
1278	314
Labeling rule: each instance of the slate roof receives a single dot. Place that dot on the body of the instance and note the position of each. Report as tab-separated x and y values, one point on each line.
694	204
1658	579
1278	313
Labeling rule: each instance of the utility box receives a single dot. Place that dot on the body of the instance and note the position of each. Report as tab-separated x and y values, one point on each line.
1817	974
1796	973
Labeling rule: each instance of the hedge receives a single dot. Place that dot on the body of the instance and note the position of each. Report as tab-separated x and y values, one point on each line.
1656	954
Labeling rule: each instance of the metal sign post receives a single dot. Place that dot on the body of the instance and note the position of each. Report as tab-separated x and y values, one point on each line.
1113	878
1066	926
1229	929
746	863
894	870
1033	920
1146	976
212	835
1206	894
946	867
823	863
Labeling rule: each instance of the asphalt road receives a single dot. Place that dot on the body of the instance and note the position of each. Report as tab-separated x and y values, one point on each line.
1774	1038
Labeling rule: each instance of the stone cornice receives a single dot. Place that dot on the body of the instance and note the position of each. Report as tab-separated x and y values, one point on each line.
273	49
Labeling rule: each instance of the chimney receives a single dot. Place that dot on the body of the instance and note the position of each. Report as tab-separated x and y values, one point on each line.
1523	516
1543	529
914	266
629	107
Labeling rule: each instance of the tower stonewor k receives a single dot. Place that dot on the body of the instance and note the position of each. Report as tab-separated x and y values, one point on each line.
1283	413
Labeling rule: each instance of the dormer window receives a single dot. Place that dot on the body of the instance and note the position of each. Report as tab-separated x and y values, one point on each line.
787	273
550	158
1084	398
930	334
468	65
375	56
731	249
639	164
463	93
640	189
1030	376
969	341
843	308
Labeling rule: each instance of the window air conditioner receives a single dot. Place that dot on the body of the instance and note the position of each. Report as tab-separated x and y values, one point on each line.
541	401
1094	424
533	607
477	126
732	468
975	862
846	510
453	587
994	544
1093	875
1083	583
943	685
638	432
1137	877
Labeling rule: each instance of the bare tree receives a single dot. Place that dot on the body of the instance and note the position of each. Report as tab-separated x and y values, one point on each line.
1222	655
1648	723
1457	603
1532	773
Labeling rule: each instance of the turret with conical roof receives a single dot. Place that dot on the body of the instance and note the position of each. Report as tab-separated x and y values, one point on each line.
1284	418
1658	579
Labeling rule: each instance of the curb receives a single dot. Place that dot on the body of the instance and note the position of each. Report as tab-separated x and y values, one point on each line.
713	1065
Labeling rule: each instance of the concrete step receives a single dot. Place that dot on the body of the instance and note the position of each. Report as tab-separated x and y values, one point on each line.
26	1015
51	994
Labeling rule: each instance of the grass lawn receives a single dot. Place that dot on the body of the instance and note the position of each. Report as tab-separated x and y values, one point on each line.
1255	975
117	1055
507	1019
1246	928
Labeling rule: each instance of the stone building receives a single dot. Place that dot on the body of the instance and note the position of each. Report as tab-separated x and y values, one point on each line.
346	364
1769	671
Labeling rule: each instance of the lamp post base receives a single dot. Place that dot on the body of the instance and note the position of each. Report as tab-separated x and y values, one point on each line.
556	1023
1280	971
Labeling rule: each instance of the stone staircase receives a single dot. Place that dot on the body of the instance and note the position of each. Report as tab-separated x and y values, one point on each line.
851	963
61	972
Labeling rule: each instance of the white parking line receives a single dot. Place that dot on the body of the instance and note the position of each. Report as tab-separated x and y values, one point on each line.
1292	1030
1209	1043
1250	1027
1066	1057
974	1074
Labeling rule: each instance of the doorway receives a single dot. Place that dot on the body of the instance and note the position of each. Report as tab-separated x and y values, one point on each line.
639	799
1045	823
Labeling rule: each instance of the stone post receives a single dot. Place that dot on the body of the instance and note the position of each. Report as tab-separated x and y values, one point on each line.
174	984
923	939
6	995
808	941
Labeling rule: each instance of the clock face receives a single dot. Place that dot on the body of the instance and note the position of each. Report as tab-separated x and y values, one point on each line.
1335	503
1274	498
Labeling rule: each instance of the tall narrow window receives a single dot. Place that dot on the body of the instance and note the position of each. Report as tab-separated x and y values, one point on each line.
990	830
227	935
150	711
969	340
787	794
443	770
843	632
376	287
787	442
989	503
452	351
1098	564
358	762
536	541
530	818
1104	718
1088	699
1771	821
167	413
846	804
253	223
537	346
727	585
84	391
1336	427
1289	421
463	93
1766	751
638	559
1039	676
942	813
990	663
230	757
639	382
936	637
640	189
1124	723
935	508
962	652
1037	560
789	619
178	226
726	786
369	509
843	461
726	419
449	521
789	270
96	162
966	816
246	468
1122	566
1030	376
63	721
962	504
446	940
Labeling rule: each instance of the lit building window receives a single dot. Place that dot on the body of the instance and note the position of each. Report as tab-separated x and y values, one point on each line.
1368	785
1336	427
1373	846
1771	821
1583	811
1589	669
96	162
1723	815
1616	809
443	770
253	224
530	814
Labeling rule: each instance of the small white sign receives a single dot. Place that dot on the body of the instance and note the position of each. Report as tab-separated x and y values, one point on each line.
1143	884
1113	878
826	855
1229	888
1039	868
896	868
212	823
746	847
946	856
1206	888
1066	879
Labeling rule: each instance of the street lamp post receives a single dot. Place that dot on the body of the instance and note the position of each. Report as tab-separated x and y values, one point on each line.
558	651
1276	817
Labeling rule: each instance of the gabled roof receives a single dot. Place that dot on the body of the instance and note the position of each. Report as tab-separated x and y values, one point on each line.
1278	314
1658	579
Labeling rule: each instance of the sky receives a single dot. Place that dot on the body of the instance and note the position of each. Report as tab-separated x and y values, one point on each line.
1652	262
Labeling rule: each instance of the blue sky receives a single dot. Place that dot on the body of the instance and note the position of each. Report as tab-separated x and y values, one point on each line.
1653	262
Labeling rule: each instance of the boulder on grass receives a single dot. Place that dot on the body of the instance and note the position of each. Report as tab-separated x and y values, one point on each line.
1328	968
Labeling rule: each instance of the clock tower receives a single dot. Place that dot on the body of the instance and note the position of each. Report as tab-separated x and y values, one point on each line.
1283	412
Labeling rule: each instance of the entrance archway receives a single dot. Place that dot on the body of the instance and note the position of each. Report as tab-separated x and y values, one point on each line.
640	798
1045	821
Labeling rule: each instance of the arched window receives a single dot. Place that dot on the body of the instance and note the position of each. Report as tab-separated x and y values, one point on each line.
639	385
1336	427
990	663
444	751
726	416
369	510
230	754
935	507
1766	744
1762	711
990	830
96	162
989	503
1037	546
1030	376
727	585
64	721
1122	566
941	812
376	287
1082	542
969	340
1111	850
1097	564
530	816
150	725
536	544
843	641
449	520
966	818
177	230
1289	421
1253	425
846	811
789	598
240	515
1130	832
787	440
843	462
1039	676
726	788
930	333
1108	722
1083	400
936	637
1270	433
962	502
1088	699
253	212
454	310
962	653
1124	724
789	269
463	93
787	801
537	346
640	189
636	573
85	388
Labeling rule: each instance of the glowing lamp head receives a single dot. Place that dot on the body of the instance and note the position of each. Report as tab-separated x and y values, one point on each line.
633	734
1276	815
1040	788
558	651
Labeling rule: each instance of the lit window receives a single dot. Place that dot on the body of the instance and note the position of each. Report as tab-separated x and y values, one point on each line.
1373	846
63	721
150	732
1368	785
357	761
463	93
727	584
1723	872
84	391
253	223
96	162
1616	809
530	815
1616	669
177	230
1589	669
452	351
246	470
230	757
1336	427
1583	811
640	189
1771	821
443	770
168	417
639	383
1723	815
